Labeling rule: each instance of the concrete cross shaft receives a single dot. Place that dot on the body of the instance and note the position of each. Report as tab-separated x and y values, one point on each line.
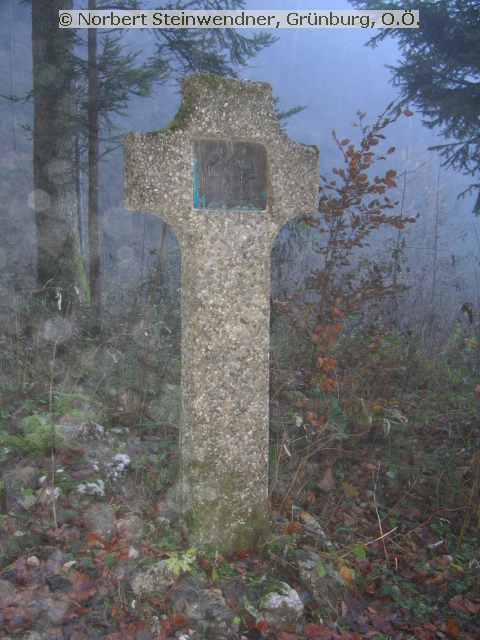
226	178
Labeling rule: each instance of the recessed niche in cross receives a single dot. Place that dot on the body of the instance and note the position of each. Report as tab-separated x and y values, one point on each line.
229	174
226	178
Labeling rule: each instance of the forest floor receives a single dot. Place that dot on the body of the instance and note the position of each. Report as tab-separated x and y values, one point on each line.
77	579
374	504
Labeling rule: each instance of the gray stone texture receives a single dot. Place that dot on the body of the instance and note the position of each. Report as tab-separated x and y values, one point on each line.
327	585
225	293
206	610
279	608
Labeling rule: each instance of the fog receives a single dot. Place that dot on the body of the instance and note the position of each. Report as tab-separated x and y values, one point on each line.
325	428
330	71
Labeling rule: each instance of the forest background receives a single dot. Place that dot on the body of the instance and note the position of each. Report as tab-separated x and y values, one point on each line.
374	322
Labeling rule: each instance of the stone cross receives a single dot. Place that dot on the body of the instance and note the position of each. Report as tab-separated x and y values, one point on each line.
226	178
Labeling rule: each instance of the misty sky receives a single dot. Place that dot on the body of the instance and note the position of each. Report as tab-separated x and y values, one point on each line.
330	70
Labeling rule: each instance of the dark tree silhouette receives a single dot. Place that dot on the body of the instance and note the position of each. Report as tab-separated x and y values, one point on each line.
59	260
440	74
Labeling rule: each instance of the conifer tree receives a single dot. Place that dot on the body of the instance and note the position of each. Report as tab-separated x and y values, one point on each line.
109	75
220	51
113	76
107	79
60	266
440	74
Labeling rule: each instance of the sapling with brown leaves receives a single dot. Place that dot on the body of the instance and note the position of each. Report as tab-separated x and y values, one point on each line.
351	207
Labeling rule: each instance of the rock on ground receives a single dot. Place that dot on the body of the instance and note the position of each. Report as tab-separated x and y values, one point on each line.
321	578
205	609
280	607
152	579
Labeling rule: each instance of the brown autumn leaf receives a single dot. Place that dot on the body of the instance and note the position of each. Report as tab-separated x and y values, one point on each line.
327	482
471	608
380	624
364	565
82	588
350	521
345	573
421	634
291	527
176	620
350	490
314	632
77	520
456	603
90	537
136	625
452	627
262	625
82	474
82	595
311	420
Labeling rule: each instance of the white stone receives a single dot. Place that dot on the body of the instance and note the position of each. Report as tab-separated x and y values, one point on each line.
123	458
280	607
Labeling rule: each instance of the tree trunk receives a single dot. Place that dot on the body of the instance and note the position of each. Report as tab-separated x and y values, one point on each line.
78	186
435	241
432	325
12	75
93	230
78	190
396	252
60	266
